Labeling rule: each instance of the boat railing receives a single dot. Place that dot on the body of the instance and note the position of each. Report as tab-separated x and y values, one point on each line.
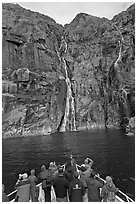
121	196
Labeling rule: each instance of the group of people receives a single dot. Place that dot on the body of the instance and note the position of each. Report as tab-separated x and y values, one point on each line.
70	183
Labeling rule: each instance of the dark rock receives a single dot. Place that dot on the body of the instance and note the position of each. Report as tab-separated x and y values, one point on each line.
34	87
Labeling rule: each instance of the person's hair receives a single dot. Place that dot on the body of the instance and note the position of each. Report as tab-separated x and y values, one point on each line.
109	179
32	172
60	170
43	168
92	174
68	164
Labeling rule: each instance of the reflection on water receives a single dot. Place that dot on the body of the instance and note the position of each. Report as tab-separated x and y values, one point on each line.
113	154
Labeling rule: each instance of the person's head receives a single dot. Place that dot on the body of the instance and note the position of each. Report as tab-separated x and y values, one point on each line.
43	168
92	174
83	168
88	162
60	170
24	176
109	180
51	164
3	188
59	166
71	156
68	164
32	172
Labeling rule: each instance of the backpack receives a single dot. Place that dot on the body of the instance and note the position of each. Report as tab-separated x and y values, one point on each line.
111	196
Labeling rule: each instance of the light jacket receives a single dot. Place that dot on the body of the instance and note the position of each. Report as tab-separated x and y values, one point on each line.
23	190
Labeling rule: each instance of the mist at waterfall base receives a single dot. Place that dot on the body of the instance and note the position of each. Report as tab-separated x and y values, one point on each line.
112	151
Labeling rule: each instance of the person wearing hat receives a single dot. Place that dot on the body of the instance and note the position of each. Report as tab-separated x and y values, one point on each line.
53	168
23	187
46	179
69	171
109	190
84	175
61	186
76	189
33	181
94	184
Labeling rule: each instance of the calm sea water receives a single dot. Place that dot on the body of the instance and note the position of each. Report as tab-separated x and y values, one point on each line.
112	151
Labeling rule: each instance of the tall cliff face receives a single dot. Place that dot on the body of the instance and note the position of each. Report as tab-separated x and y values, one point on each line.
99	62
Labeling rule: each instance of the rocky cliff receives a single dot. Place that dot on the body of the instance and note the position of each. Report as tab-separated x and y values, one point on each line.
95	70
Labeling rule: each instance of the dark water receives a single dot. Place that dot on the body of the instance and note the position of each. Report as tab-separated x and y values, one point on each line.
113	154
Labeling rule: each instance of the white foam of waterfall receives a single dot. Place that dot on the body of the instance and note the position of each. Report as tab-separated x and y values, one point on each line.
69	121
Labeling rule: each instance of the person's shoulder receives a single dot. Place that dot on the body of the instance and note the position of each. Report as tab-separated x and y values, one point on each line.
5	198
104	187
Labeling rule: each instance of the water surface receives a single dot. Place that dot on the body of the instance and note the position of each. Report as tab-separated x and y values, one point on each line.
112	151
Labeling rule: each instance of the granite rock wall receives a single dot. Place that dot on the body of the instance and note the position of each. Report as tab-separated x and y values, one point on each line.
34	87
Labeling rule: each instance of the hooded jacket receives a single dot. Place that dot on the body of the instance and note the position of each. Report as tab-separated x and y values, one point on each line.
106	190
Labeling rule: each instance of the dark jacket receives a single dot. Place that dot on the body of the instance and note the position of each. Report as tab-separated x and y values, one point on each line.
43	176
76	190
60	186
94	186
69	171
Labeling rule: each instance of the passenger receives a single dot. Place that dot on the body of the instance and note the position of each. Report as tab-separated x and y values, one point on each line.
61	187
33	181
23	186
69	171
5	198
70	168
53	168
84	175
76	189
109	190
56	172
73	163
46	184
94	184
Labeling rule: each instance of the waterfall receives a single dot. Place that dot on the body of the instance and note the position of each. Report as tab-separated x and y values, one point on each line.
116	65
69	121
